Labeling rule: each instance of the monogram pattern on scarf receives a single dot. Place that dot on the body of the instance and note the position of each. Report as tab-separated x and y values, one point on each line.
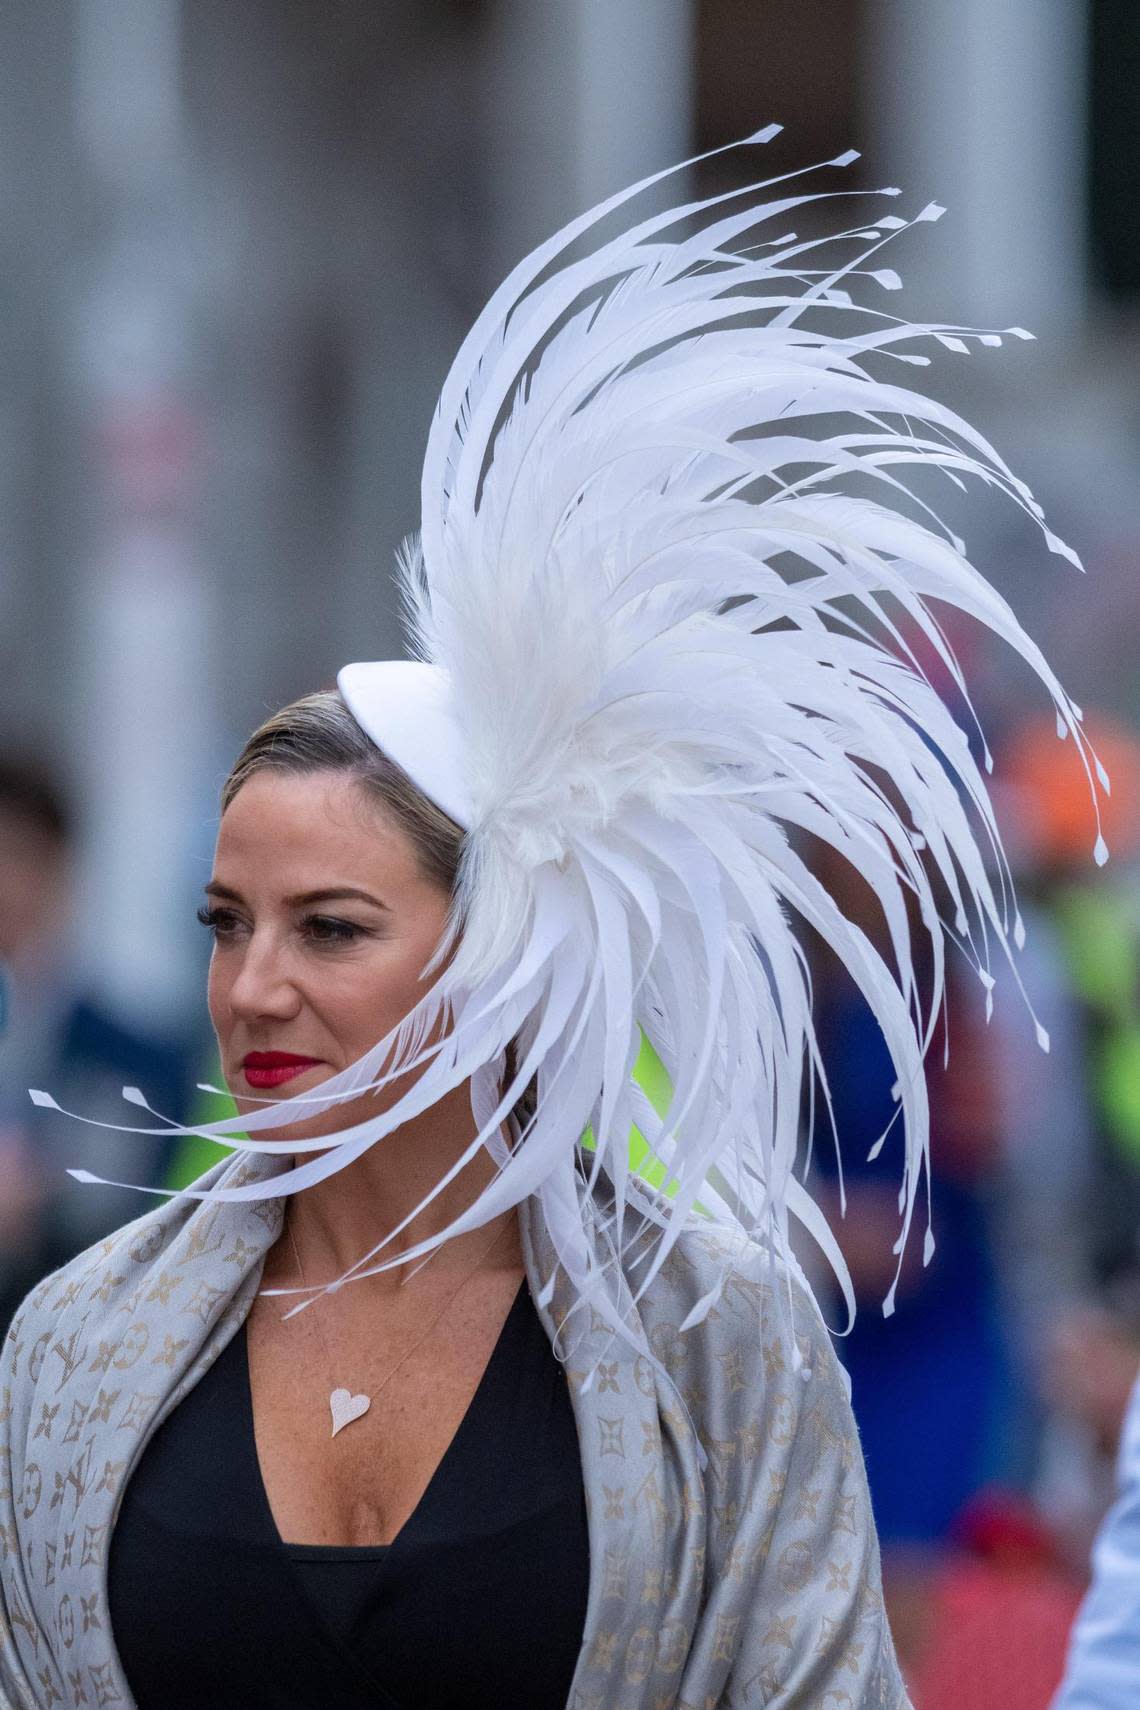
751	1580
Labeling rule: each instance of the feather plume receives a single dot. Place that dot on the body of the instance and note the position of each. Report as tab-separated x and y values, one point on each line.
673	561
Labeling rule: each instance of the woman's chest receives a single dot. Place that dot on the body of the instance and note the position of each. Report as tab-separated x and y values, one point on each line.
210	1590
349	1441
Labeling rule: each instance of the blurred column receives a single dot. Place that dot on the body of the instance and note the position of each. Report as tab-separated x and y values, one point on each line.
36	171
980	105
588	95
141	686
633	95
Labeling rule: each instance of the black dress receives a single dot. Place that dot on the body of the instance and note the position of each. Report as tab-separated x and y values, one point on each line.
479	1601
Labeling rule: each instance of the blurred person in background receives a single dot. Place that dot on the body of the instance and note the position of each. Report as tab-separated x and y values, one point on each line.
929	1384
1067	1200
932	1386
58	1032
990	1406
1103	1671
982	1622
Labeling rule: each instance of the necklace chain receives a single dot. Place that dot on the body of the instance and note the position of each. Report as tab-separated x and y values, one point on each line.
347	1407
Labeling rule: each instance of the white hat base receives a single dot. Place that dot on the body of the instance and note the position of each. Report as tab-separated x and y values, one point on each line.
405	707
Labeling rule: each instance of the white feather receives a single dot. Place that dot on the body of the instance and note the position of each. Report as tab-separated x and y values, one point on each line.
672	562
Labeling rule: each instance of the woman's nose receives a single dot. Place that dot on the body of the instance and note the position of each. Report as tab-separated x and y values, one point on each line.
261	986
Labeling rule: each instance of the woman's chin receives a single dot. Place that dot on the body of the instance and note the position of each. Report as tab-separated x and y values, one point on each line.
291	1131
252	1100
329	1123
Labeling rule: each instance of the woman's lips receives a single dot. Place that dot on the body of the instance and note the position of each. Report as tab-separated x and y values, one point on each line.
274	1068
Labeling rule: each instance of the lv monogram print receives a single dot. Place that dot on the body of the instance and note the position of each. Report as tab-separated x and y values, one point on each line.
733	1560
96	1357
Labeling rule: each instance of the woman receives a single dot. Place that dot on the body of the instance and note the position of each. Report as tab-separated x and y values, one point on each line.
565	1438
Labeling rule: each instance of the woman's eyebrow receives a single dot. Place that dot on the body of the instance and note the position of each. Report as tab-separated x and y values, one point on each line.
339	893
304	899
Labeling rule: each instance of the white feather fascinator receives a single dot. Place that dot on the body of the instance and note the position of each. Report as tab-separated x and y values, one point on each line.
675	591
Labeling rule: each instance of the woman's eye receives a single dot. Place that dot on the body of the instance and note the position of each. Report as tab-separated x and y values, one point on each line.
324	929
222	922
318	928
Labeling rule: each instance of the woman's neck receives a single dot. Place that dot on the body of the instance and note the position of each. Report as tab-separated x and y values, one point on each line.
335	1223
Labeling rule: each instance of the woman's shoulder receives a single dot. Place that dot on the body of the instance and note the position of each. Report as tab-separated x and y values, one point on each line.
97	1284
736	1325
102	1273
88	1309
720	1279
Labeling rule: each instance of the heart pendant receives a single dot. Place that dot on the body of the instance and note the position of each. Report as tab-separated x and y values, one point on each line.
346	1407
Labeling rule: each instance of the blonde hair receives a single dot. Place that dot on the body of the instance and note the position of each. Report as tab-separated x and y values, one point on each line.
318	734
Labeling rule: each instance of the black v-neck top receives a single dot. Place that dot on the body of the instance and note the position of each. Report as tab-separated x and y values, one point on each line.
479	1601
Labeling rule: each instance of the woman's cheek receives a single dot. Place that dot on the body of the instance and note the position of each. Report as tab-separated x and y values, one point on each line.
215	999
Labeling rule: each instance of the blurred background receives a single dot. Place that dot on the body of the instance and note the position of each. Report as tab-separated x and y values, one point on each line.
238	248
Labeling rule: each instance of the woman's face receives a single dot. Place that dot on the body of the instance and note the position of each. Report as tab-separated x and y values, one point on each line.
323	923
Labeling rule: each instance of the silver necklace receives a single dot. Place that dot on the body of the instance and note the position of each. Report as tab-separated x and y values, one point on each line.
346	1407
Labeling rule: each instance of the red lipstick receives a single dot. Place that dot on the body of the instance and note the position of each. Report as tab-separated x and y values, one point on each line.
274	1068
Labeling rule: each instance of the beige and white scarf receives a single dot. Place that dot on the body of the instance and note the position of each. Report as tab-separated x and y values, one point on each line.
753	1580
